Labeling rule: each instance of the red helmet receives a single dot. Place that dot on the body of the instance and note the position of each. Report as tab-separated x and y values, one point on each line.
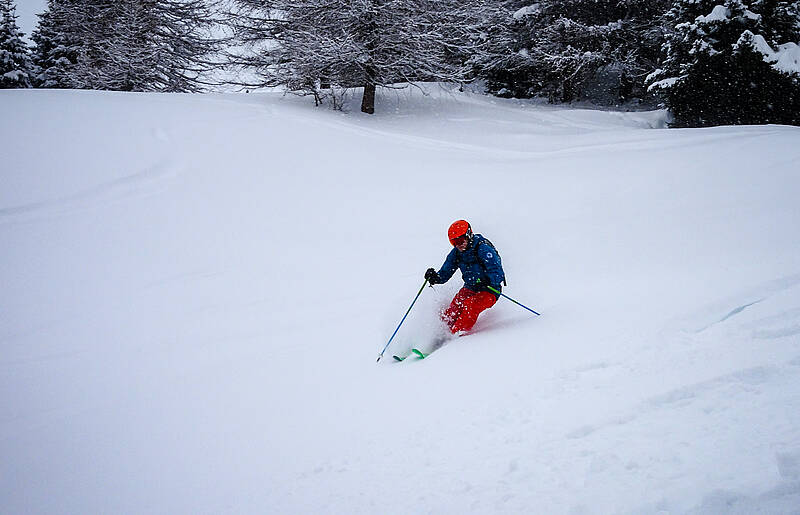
458	232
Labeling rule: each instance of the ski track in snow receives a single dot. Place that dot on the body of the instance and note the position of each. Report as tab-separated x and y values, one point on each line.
760	294
748	380
151	181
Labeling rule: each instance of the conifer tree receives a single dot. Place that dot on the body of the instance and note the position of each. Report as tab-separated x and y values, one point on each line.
58	40
723	63
569	50
126	45
15	59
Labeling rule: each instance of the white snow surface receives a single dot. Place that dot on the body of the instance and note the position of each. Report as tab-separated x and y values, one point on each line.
785	59
527	11
718	13
721	13
194	290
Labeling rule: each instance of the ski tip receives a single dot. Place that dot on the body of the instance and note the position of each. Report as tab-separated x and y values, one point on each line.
398	358
418	353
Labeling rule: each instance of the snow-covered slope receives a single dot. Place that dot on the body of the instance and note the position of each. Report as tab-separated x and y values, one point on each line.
194	289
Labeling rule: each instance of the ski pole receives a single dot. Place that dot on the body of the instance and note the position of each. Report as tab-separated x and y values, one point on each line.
514	301
403	320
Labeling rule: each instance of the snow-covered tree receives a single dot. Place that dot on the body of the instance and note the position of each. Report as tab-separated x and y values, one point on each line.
126	45
574	49
15	59
731	63
311	46
56	45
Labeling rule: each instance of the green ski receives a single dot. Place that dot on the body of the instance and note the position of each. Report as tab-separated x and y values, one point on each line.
414	352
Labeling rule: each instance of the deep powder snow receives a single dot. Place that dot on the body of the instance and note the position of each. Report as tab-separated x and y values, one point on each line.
194	289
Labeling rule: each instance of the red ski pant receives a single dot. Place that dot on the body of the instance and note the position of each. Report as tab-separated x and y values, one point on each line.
465	308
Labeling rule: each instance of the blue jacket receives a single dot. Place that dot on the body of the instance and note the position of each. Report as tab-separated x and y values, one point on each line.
480	266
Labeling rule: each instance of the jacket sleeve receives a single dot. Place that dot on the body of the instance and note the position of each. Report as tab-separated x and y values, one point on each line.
449	267
492	265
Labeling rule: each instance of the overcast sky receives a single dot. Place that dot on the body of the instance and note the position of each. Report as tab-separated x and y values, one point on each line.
27	11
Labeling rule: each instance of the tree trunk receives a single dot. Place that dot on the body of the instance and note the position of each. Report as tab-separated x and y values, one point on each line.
368	100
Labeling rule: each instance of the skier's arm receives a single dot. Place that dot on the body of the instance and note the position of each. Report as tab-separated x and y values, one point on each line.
448	268
491	262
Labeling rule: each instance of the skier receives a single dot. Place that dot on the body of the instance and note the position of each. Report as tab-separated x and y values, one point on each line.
480	268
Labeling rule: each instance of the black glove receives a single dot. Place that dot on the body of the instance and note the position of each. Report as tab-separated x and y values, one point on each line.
431	276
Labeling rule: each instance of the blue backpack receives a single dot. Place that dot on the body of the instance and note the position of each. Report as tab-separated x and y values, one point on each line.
484	239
